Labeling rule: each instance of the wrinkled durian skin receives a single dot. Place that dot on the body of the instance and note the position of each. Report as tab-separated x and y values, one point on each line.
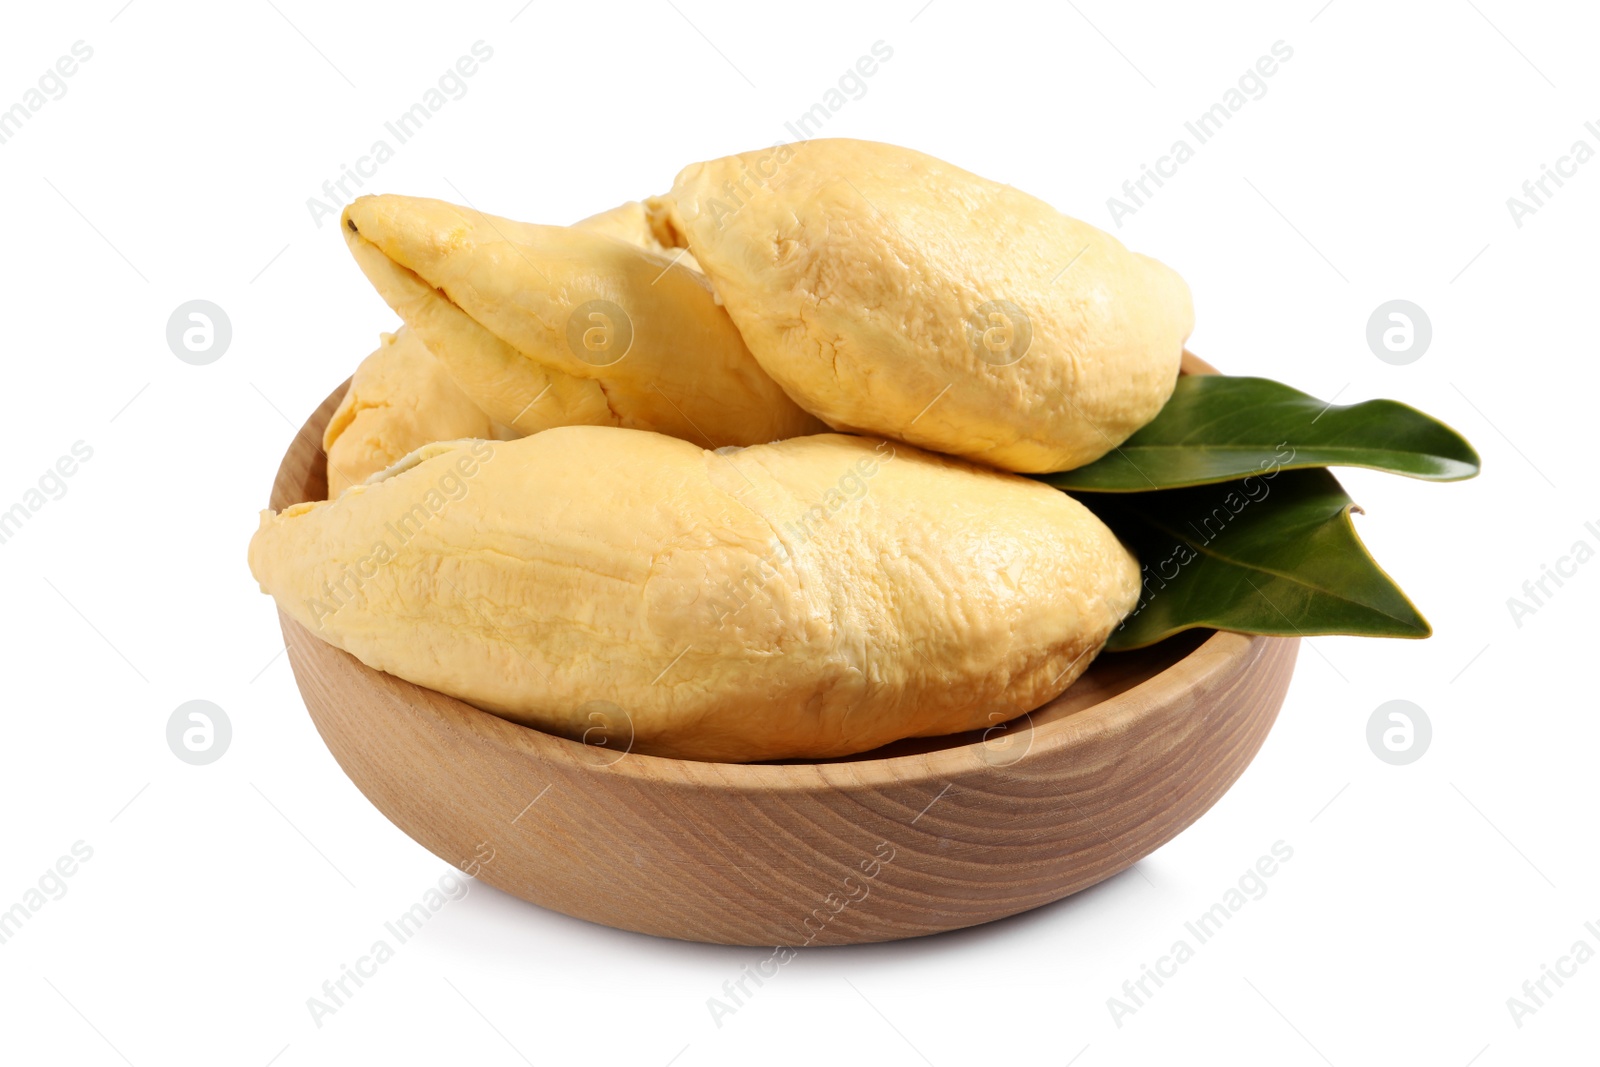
491	298
815	597
400	398
855	269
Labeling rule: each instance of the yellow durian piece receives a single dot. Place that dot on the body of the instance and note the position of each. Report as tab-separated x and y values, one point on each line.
547	326
894	294
815	597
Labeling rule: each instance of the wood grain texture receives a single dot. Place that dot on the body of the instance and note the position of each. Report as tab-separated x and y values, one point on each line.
916	838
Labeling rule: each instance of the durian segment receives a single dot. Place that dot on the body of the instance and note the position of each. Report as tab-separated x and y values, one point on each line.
547	326
399	399
815	597
895	294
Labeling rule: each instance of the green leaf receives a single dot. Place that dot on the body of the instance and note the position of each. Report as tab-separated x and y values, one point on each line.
1217	428
1269	554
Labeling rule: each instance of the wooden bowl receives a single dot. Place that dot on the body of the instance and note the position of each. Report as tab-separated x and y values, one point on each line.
915	838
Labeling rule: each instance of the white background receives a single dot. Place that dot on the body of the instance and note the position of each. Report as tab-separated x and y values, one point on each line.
1377	166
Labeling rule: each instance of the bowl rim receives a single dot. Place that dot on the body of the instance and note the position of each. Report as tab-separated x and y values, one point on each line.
1220	652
